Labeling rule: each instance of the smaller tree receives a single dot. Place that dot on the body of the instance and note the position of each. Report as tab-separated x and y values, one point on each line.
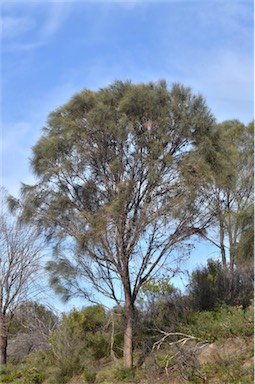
20	252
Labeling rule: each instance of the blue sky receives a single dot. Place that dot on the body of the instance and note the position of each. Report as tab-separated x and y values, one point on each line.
51	50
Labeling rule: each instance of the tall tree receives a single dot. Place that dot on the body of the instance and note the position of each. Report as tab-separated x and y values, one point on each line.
233	194
19	263
110	168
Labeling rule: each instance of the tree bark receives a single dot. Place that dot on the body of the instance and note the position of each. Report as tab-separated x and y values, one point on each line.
222	246
3	342
128	335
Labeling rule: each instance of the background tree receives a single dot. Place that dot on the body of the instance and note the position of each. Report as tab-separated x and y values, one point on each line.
19	263
111	187
232	195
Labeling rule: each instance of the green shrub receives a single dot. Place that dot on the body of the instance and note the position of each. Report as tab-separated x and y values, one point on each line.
89	376
228	371
3	370
212	284
125	374
224	322
99	346
105	375
33	375
58	375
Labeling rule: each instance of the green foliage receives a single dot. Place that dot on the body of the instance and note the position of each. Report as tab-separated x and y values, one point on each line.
93	318
245	246
214	284
230	370
125	374
31	371
224	322
156	289
220	326
106	375
33	376
89	376
80	338
205	285
232	193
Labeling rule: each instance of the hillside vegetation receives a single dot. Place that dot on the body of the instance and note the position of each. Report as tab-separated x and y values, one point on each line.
175	342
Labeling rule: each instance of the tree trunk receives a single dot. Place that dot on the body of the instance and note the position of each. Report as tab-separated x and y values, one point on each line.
128	335
3	342
222	246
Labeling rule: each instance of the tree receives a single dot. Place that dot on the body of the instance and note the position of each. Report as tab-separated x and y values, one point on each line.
19	263
111	187
232	195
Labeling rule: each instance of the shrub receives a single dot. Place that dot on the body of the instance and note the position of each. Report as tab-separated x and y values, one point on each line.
125	374
212	284
223	322
89	376
105	375
33	375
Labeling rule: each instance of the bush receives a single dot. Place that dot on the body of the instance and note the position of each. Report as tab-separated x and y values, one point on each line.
212	284
89	376
224	322
125	374
23	374
33	375
105	375
228	371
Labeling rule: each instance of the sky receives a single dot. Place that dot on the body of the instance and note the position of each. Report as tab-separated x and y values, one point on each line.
52	50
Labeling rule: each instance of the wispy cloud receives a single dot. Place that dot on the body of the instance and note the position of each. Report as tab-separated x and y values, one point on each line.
33	30
57	15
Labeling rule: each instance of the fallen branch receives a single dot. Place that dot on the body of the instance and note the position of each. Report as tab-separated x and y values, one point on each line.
180	343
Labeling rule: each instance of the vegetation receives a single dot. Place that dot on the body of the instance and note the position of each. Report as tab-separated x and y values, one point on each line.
203	347
19	265
114	188
126	177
